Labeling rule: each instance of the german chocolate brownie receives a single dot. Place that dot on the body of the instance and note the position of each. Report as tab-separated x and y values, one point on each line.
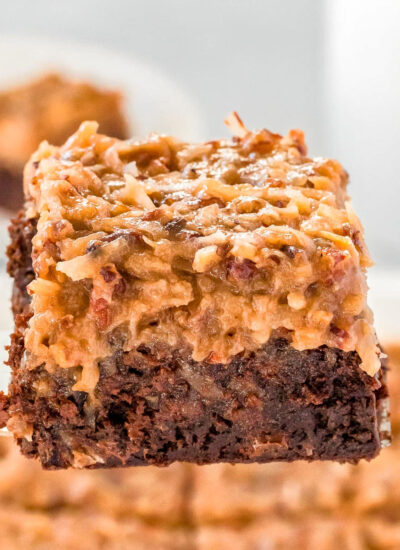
202	303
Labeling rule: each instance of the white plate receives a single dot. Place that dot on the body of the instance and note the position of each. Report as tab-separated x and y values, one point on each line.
154	102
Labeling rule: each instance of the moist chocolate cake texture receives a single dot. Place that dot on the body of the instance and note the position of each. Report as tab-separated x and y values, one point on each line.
199	303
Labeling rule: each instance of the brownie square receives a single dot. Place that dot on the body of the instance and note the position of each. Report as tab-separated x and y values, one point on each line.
191	302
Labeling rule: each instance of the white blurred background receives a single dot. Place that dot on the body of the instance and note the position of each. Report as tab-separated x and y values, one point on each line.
330	67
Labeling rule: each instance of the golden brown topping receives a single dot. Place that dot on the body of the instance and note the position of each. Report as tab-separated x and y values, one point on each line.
211	246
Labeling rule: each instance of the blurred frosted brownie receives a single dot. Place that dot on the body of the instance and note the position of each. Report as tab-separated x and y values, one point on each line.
64	530
310	533
244	492
191	302
153	495
51	108
113	509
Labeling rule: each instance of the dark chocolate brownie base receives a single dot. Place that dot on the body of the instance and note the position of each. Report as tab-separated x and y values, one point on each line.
156	405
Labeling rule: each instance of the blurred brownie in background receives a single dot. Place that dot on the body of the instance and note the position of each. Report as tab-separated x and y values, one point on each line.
151	494
304	533
51	108
114	510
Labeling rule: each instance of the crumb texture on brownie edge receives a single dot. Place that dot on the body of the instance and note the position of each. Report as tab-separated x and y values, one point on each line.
212	246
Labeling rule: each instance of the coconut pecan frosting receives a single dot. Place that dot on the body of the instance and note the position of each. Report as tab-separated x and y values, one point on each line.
209	246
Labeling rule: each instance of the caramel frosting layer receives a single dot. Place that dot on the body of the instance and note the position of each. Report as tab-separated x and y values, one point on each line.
208	246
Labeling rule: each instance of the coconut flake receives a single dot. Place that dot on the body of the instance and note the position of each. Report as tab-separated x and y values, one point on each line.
235	124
